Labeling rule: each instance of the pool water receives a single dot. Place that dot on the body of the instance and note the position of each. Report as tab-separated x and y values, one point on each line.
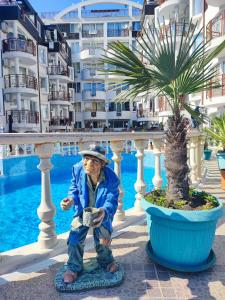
20	197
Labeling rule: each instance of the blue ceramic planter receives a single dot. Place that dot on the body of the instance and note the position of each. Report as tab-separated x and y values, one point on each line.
182	240
207	154
221	160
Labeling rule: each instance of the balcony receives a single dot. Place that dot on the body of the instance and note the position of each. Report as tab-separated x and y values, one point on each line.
18	83
98	95
63	73
216	27
216	3
23	117
104	13
117	33
92	33
92	53
25	50
58	123
98	115
60	97
177	27
167	8
91	74
215	97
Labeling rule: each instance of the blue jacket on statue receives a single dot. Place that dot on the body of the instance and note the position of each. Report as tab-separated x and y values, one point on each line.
107	193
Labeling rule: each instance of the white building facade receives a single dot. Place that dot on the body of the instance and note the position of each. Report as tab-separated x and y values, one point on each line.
209	15
89	27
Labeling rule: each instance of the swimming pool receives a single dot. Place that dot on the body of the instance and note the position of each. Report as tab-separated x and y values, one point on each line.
21	192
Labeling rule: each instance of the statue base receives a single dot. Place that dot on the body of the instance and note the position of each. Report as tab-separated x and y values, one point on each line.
93	276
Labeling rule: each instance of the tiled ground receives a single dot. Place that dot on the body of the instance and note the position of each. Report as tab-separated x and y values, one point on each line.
144	280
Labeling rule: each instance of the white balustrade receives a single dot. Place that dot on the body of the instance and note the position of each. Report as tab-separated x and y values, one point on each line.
193	164
140	185
157	179
199	158
202	144
46	211
117	148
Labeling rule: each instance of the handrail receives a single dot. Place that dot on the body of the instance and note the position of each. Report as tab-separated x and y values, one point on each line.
43	138
20	80
17	44
215	27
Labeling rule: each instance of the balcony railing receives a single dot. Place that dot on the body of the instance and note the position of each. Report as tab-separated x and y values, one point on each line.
57	121
220	91
19	45
49	143
59	95
216	27
92	33
117	32
23	116
58	70
104	13
177	27
20	81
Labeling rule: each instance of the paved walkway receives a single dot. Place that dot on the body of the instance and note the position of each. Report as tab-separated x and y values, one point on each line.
144	280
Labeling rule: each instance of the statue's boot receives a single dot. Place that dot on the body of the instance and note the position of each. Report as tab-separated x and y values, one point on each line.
69	276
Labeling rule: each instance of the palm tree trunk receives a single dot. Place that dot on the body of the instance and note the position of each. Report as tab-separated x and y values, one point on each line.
176	160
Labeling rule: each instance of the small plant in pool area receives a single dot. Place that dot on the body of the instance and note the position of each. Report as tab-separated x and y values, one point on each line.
199	200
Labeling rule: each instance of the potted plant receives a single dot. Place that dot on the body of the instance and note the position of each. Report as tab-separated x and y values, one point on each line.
173	64
217	132
207	151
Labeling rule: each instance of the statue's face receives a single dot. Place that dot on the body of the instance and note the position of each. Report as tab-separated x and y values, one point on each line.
92	165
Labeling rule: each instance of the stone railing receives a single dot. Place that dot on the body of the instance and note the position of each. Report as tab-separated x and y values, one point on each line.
45	145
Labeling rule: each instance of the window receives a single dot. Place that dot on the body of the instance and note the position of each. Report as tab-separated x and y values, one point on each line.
33	106
77	107
44	111
74	28
77	87
136	26
75	47
118	29
126	106
44	84
198	7
43	55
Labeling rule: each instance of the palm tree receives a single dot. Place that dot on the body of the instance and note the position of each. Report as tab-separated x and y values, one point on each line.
176	65
217	130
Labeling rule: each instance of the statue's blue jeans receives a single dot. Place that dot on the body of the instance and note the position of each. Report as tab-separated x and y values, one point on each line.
76	248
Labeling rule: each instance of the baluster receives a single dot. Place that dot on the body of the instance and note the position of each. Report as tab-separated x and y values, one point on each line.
8	153
2	151
25	149
117	147
198	158
202	144
193	164
47	238
69	148
140	185
17	152
157	179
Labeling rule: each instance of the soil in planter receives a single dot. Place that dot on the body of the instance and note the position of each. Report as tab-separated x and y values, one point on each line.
199	200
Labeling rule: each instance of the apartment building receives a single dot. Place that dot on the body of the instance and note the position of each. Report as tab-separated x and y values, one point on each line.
89	27
208	15
34	72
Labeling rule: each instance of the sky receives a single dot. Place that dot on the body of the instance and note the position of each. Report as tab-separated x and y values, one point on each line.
55	5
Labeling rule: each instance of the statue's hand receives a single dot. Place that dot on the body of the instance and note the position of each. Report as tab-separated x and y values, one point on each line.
99	219
66	203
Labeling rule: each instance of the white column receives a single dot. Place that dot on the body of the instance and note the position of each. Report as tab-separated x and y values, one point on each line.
193	174
157	179
140	185
47	238
117	147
